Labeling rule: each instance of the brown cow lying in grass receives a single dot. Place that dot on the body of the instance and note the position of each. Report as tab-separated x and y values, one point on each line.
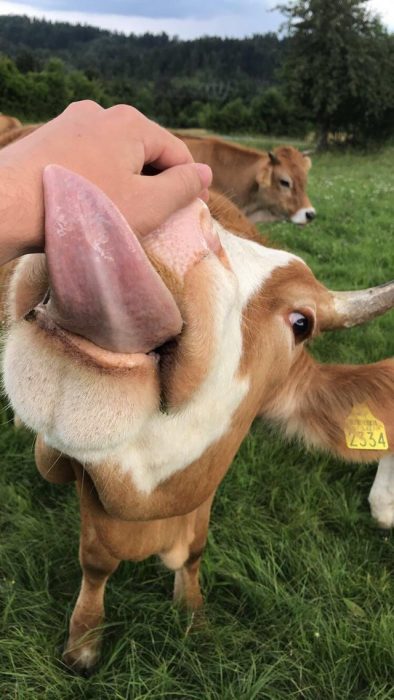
142	364
266	186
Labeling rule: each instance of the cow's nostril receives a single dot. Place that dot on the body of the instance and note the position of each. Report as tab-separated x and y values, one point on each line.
310	215
31	315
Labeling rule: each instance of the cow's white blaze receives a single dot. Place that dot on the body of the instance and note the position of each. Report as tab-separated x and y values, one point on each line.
252	263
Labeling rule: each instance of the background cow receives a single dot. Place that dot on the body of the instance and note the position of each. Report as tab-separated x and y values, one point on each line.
8	123
148	427
266	186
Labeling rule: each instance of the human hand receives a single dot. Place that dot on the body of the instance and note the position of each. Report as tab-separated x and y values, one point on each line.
110	148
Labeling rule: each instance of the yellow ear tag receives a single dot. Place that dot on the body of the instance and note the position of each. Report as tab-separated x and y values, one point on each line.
363	431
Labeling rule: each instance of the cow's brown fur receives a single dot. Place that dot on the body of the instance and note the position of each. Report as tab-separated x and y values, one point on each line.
8	123
118	521
232	218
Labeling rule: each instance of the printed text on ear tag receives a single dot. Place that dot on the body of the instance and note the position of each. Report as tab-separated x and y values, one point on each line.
363	431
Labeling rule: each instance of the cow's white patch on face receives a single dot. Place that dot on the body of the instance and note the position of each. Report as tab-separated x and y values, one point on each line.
302	216
252	263
381	496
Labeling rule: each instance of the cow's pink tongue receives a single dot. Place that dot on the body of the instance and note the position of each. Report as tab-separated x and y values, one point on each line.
103	286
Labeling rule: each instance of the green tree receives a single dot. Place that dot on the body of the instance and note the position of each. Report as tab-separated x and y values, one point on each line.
339	69
233	117
80	87
13	88
270	112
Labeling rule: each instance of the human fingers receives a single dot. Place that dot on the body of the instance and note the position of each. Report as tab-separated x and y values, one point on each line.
153	199
81	109
164	150
161	148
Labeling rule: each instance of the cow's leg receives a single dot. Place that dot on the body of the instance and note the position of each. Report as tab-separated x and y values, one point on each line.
187	590
84	641
381	496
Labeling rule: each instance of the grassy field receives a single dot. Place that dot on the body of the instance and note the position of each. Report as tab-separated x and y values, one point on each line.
297	579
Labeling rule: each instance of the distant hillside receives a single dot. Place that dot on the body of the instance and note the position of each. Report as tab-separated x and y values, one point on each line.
148	57
229	85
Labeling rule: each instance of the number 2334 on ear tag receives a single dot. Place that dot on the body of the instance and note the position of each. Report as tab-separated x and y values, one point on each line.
363	431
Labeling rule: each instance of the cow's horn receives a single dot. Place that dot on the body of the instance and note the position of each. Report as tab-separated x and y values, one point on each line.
273	158
355	308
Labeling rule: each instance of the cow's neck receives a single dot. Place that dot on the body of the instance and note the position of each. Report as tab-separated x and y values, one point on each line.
237	181
185	490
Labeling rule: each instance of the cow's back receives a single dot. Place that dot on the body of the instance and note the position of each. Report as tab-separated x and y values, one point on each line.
234	167
232	218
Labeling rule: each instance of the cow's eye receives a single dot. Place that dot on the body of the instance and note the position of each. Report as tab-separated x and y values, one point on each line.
302	326
285	183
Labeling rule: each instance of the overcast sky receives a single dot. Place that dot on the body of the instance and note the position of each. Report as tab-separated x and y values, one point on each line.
185	18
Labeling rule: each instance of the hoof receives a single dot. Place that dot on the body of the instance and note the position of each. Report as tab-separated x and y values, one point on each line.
198	620
82	659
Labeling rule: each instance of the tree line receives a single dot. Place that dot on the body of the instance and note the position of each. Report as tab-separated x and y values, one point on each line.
332	72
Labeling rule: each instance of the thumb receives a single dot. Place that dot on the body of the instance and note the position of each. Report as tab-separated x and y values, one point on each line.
156	198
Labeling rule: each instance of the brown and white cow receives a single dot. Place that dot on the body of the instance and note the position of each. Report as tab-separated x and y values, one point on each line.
266	186
142	364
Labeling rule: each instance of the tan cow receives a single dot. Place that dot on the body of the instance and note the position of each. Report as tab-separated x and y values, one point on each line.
142	367
8	123
266	186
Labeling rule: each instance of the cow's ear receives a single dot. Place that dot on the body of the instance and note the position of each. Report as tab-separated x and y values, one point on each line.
346	409
264	175
307	163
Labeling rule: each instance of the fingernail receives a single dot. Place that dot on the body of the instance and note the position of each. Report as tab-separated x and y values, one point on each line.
205	174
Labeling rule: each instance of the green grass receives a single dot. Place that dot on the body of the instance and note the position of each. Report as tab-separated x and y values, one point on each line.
297	579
